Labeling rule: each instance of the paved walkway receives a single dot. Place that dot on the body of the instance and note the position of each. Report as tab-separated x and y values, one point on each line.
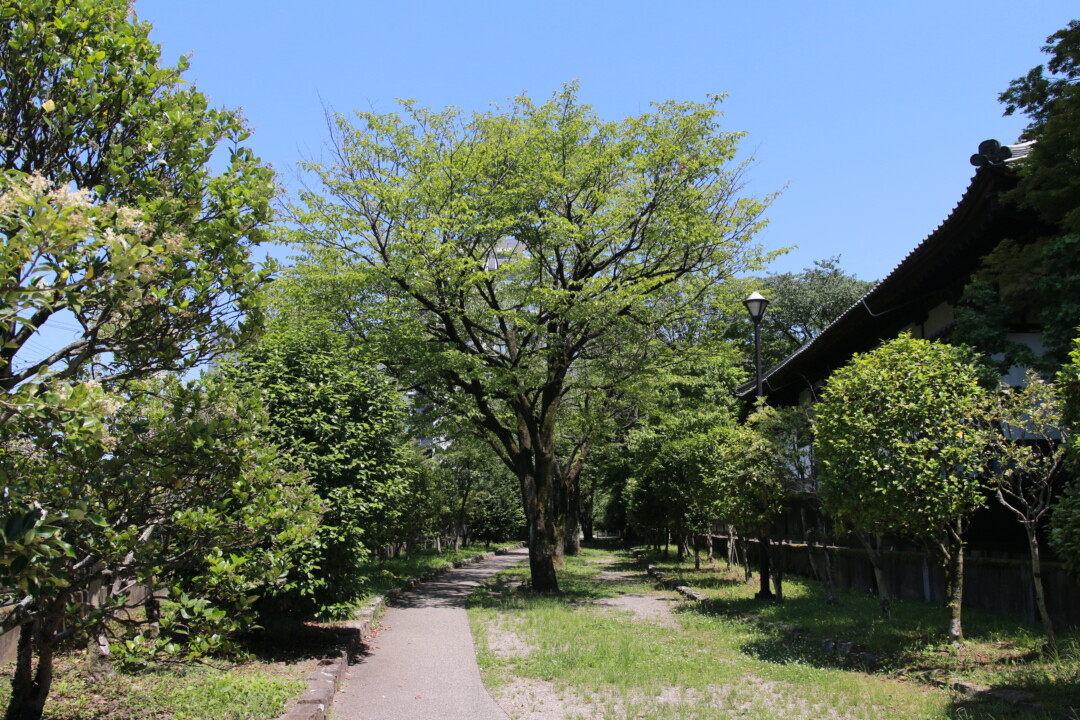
422	664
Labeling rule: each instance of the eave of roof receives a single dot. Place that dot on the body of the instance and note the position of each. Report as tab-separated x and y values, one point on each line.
948	255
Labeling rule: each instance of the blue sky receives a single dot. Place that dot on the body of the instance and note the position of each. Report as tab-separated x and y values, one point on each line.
864	112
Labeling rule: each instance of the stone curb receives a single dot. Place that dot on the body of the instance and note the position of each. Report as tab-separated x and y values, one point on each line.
323	684
845	650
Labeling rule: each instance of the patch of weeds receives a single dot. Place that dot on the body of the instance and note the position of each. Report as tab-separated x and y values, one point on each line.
999	654
699	669
253	691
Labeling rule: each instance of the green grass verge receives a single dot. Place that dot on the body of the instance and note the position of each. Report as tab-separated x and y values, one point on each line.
603	661
253	691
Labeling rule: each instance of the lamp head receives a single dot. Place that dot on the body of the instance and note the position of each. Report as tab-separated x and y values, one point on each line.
755	305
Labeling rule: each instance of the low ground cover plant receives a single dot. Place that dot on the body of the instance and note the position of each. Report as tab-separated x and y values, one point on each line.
597	653
255	690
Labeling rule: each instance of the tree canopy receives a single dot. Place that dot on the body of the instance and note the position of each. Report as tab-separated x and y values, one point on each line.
118	232
497	255
803	304
1050	96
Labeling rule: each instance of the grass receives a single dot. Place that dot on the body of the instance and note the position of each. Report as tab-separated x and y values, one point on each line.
394	572
600	661
999	652
251	691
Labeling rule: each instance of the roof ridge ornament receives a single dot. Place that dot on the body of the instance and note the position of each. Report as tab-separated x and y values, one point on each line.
991	153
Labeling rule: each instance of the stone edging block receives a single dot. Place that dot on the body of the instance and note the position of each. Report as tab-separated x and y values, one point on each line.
322	684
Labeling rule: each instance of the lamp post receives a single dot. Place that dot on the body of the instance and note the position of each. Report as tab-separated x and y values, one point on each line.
755	305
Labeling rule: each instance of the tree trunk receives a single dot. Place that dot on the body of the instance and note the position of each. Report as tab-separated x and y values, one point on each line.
823	575
830	585
697	553
572	510
536	496
588	503
954	583
30	688
873	551
777	567
1036	577
764	593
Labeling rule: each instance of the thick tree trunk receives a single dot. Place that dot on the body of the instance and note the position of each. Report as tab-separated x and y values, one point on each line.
30	687
873	551
1036	577
697	553
536	496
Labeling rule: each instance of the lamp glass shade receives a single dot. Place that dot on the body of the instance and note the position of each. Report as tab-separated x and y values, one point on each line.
755	305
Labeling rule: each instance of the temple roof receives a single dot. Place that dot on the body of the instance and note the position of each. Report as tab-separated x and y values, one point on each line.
935	271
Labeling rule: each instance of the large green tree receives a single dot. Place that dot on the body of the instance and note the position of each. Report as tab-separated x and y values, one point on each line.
1035	284
180	497
496	254
84	103
901	437
115	225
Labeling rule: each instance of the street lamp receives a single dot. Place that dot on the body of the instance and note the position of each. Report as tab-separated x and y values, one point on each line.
755	305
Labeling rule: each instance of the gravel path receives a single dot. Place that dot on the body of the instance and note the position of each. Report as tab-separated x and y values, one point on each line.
422	663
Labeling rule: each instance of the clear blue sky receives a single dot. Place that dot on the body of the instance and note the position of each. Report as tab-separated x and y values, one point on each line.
865	111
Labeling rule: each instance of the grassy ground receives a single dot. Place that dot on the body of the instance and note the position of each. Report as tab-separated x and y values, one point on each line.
393	572
251	691
591	653
257	688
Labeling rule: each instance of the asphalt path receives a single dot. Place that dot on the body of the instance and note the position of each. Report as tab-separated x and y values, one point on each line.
421	665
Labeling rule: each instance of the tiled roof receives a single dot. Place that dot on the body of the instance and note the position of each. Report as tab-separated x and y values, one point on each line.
934	271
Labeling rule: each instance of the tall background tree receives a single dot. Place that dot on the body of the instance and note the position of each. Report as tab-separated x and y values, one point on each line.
803	304
497	254
1036	285
1049	95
